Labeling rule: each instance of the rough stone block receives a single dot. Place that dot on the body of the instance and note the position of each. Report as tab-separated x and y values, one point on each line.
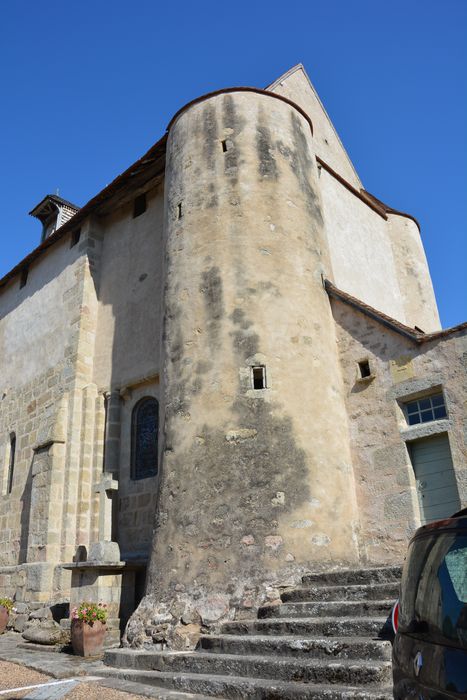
20	622
48	632
41	614
104	551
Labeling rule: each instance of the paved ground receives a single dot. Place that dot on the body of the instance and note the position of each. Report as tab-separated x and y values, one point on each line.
58	675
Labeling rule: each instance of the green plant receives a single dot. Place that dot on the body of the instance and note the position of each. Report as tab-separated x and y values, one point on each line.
6	603
90	612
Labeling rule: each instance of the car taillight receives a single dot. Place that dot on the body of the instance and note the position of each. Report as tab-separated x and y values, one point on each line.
395	616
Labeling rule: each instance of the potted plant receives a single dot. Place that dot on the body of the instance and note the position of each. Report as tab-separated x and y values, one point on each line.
88	628
6	606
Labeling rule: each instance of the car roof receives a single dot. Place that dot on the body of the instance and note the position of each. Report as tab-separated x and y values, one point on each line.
457	522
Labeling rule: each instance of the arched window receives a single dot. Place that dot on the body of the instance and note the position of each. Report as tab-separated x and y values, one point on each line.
144	430
11	463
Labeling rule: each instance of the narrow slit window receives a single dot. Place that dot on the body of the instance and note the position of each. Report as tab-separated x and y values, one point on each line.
224	146
11	463
75	236
139	205
179	210
259	377
24	277
364	369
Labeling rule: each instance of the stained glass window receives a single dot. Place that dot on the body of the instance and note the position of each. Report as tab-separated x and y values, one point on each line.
145	424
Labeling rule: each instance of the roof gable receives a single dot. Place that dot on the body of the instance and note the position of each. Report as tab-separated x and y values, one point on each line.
296	85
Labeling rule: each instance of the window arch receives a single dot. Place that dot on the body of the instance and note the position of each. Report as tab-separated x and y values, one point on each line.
11	463
144	432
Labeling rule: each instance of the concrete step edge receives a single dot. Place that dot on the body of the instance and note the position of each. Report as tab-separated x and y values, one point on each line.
150	691
311	620
299	690
271	659
338	594
350	576
338	586
293	645
328	603
358	571
295	637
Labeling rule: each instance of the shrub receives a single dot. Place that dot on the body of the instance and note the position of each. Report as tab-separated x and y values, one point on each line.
90	612
6	603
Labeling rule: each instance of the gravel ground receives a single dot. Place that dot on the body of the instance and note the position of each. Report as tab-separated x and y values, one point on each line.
16	676
94	691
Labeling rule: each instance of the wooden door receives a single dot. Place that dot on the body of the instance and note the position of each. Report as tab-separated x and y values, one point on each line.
436	482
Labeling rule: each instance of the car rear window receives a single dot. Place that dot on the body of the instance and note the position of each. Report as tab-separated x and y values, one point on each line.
434	588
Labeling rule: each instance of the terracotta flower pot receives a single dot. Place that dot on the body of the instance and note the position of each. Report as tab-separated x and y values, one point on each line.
87	638
4	617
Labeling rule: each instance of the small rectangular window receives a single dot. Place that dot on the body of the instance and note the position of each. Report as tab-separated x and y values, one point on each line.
75	236
426	409
364	369
259	377
179	210
139	205
24	277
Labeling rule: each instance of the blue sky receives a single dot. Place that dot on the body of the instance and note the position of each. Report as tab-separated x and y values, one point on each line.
87	87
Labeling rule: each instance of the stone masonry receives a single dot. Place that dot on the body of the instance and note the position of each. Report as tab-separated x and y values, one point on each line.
277	319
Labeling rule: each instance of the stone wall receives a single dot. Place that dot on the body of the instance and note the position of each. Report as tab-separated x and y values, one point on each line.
252	480
127	353
358	240
296	85
77	341
401	369
129	299
381	262
47	341
137	498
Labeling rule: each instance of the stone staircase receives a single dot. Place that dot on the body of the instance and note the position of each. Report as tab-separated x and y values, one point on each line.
326	641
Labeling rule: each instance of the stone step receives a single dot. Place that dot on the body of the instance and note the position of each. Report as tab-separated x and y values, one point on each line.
376	591
149	691
241	688
343	671
328	609
296	645
314	626
353	576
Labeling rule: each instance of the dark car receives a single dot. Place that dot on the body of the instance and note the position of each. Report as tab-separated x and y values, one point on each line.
430	647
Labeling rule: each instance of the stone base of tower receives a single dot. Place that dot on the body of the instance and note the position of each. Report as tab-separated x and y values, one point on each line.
177	621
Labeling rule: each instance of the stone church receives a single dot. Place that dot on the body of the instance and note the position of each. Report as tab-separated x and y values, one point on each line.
224	371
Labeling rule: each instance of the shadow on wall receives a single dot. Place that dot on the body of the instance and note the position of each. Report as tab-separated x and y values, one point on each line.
25	515
128	283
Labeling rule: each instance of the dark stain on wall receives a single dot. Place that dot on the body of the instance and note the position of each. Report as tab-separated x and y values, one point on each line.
211	137
267	166
213	297
213	199
231	120
245	342
301	164
239	318
228	490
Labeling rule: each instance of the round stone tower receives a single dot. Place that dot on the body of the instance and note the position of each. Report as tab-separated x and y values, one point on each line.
257	484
